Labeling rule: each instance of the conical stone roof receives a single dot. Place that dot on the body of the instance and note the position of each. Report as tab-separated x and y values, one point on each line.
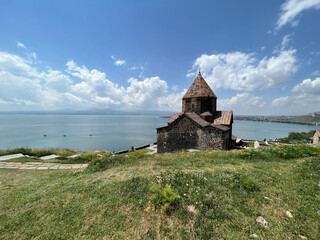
199	88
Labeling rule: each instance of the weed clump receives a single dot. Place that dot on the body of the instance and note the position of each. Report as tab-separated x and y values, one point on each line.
137	154
103	163
162	198
249	184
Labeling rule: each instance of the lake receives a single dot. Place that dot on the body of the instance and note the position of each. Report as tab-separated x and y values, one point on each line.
110	132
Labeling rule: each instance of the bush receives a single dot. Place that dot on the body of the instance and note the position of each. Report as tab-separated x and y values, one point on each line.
137	154
283	152
106	162
249	184
298	137
163	198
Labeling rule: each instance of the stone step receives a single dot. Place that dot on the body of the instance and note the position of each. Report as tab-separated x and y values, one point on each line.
12	156
53	156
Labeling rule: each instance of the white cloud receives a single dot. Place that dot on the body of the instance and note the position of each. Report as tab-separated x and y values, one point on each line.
94	83
24	86
31	56
308	86
175	88
21	45
315	52
244	72
285	41
242	103
105	100
171	102
280	101
316	73
118	62
134	68
292	8
305	98
145	93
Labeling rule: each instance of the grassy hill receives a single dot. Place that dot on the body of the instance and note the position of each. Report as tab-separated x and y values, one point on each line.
219	196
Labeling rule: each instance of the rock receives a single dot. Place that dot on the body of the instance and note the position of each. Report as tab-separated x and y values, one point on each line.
302	237
12	156
289	214
260	220
74	156
256	144
53	156
192	209
193	150
254	236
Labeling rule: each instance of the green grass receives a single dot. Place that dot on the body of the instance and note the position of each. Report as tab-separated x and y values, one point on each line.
298	137
227	189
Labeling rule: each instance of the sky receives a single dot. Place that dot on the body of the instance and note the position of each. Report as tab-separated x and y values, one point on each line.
259	57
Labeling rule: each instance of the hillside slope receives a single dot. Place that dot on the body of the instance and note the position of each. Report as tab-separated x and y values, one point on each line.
224	191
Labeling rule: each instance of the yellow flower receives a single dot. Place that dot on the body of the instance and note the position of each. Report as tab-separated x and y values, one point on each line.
148	209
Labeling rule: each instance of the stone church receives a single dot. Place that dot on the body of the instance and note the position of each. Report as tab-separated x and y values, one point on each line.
200	125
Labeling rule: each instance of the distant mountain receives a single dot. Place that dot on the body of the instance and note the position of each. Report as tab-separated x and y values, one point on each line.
92	111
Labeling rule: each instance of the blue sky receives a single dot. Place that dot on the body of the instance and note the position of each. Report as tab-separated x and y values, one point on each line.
259	57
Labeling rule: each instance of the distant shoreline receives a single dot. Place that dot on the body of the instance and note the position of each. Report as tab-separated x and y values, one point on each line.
277	121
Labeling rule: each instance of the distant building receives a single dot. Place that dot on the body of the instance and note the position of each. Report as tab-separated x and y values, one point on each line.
316	137
200	125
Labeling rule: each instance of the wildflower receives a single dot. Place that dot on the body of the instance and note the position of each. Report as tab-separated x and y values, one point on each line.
148	209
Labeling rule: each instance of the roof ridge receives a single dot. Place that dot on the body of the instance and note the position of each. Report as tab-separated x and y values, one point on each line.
199	88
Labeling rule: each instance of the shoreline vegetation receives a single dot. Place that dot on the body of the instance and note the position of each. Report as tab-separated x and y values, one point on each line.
182	195
303	120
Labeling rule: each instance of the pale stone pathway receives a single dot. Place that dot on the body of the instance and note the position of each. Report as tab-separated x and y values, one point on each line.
153	149
12	156
40	165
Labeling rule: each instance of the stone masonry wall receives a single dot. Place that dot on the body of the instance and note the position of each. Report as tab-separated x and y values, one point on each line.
181	134
199	105
213	138
185	134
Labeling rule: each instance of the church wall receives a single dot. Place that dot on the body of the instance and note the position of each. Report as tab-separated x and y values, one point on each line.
208	105
214	139
199	105
191	105
179	135
185	134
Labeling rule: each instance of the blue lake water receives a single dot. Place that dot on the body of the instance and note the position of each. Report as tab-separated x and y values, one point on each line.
110	132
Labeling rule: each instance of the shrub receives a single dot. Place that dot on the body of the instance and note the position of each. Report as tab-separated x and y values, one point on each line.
162	198
106	162
298	137
249	184
137	154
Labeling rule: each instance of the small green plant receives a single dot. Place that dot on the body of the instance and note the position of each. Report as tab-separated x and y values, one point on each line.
137	155
249	184
99	164
162	198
